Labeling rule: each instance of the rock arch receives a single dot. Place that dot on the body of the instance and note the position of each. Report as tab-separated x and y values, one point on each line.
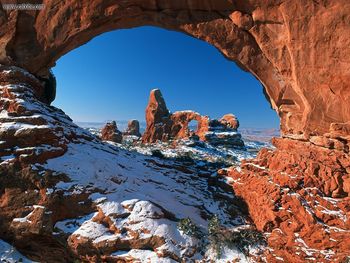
298	49
282	43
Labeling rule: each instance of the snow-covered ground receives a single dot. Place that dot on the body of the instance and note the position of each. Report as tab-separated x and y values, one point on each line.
8	254
197	150
135	200
142	198
132	199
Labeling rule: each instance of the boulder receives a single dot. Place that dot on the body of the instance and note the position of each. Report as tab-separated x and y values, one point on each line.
133	128
230	121
111	133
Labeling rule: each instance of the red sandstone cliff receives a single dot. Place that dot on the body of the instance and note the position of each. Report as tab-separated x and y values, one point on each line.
298	50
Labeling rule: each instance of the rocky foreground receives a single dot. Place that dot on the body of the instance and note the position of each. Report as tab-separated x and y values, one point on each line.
66	195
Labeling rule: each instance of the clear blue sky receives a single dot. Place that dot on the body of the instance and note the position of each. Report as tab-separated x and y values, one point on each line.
110	78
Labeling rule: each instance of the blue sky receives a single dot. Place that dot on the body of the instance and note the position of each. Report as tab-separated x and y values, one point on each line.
110	78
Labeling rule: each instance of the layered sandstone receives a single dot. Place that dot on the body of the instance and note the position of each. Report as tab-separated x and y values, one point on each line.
31	133
161	125
30	130
298	50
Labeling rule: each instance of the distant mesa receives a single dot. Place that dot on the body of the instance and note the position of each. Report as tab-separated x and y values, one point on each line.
161	125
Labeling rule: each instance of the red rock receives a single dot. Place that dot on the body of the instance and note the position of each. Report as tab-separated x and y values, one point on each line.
157	118
165	126
294	48
32	132
290	192
230	121
298	50
243	21
111	133
133	128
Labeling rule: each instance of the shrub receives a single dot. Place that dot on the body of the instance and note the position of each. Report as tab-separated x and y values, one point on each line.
216	240
185	157
242	239
214	225
188	227
220	237
158	153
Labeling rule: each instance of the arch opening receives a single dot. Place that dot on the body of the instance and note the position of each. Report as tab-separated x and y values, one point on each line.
191	74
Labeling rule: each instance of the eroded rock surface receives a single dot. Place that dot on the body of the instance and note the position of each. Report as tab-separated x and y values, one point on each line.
31	132
298	50
299	193
133	128
111	133
66	195
161	125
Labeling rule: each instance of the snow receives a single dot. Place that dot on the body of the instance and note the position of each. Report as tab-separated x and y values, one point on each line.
137	194
24	219
310	251
227	255
8	254
85	164
199	151
92	230
142	256
188	111
338	213
70	225
110	208
7	158
256	165
38	207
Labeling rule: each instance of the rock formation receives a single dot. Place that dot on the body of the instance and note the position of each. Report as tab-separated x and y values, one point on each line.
65	195
133	128
299	50
230	121
300	194
111	133
161	125
31	133
220	133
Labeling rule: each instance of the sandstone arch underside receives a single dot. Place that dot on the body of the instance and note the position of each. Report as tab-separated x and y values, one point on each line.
298	49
